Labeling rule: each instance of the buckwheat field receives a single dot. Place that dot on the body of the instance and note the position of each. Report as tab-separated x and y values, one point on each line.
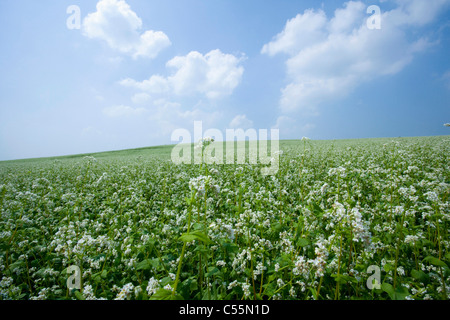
350	219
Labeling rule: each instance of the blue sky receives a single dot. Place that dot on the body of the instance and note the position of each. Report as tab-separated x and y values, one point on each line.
134	71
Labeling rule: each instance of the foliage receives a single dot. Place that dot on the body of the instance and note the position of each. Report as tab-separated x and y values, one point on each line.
140	227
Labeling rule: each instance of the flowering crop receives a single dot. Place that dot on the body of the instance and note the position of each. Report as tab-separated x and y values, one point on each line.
145	228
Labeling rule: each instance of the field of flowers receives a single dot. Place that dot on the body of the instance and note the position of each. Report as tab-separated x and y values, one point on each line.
140	227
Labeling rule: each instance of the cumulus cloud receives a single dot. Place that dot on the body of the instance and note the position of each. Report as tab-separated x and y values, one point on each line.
328	57
241	122
118	25
300	32
140	98
213	75
156	84
290	127
123	111
167	116
416	12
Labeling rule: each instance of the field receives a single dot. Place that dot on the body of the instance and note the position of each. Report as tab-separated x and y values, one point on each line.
336	216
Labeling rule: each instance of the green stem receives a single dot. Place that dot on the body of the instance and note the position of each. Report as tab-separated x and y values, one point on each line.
397	251
177	279
336	293
180	263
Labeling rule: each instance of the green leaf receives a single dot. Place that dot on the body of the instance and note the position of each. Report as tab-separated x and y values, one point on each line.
79	296
144	265
269	288
195	235
302	242
193	285
165	281
427	243
197	226
389	289
317	209
211	271
435	262
420	275
96	277
230	247
21	296
164	294
161	294
400	293
388	267
344	278
277	227
151	245
314	293
272	277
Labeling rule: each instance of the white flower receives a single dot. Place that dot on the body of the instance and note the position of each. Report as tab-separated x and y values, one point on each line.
199	184
432	196
280	283
232	284
220	263
277	267
126	292
301	266
411	239
42	294
137	291
246	288
152	286
88	292
292	292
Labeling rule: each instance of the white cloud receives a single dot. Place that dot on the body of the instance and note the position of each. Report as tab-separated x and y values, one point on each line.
115	23
241	122
213	75
348	18
284	121
90	131
140	98
123	111
416	12
167	116
328	58
155	85
302	31
291	128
